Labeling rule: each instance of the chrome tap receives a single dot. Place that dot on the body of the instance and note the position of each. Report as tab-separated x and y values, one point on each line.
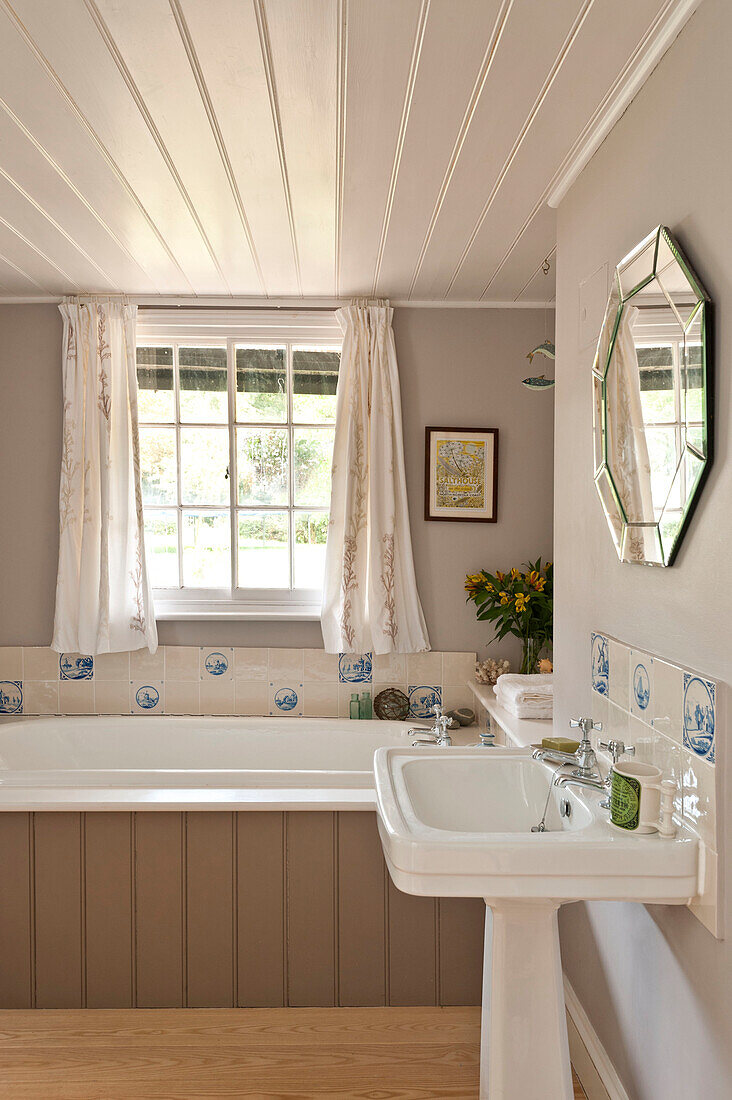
438	735
584	757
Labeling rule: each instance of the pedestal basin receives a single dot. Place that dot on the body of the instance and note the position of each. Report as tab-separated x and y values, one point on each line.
457	822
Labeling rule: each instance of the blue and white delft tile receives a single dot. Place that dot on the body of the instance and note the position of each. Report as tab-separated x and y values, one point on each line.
11	696
146	697
641	686
423	699
75	666
217	664
355	668
600	664
699	716
286	699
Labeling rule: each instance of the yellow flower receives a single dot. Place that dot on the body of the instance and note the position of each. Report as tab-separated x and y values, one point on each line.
504	599
501	576
515	574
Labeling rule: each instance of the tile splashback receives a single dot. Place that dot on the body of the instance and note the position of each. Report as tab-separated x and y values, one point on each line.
669	714
222	680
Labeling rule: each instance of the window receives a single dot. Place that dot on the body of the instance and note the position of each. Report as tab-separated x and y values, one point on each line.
236	441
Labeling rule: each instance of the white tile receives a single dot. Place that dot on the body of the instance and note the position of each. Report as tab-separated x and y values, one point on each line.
251	664
112	696
182	696
390	668
217	696
216	664
599	663
76	697
11	697
457	668
320	667
640	670
422	700
641	737
181	663
345	691
285	664
112	666
619	662
698	797
285	698
145	665
147	697
251	697
11	663
355	668
668	699
76	666
700	716
424	668
39	663
457	695
320	700
40	697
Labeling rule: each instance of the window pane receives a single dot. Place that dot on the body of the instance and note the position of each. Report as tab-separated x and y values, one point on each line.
206	550
313	461
203	385
161	548
204	464
311	533
261	384
155	397
314	382
157	466
262	467
656	366
264	560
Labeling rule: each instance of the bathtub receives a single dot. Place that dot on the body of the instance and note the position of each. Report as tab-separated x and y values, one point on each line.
124	762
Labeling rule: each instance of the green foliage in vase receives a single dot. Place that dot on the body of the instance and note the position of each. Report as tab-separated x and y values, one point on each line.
519	603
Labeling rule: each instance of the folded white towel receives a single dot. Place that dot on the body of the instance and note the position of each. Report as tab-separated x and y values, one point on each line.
528	710
533	689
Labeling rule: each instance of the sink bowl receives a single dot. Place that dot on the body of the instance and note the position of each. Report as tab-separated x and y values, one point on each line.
458	822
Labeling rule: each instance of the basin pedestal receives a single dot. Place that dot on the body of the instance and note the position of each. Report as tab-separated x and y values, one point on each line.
524	1048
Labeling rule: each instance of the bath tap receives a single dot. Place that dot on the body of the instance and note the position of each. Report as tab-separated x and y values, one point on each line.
438	735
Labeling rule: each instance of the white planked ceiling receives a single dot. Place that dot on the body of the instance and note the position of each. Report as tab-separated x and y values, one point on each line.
303	148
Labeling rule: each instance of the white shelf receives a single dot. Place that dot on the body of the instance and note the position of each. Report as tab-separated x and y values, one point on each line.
521	732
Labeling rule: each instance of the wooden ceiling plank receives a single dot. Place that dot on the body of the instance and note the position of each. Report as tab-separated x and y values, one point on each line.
46	102
459	48
303	45
518	207
383	38
226	42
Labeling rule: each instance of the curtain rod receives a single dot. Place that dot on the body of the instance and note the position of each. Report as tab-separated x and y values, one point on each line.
150	302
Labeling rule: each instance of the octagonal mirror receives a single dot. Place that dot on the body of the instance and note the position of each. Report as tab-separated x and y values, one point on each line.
652	400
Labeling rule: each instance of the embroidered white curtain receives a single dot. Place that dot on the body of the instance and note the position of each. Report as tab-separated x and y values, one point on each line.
103	597
370	600
627	446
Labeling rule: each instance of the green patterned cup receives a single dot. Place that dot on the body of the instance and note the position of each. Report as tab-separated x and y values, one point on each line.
635	797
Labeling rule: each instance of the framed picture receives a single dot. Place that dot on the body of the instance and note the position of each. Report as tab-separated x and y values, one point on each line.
461	474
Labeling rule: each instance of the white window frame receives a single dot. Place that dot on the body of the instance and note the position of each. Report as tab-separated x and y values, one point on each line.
175	328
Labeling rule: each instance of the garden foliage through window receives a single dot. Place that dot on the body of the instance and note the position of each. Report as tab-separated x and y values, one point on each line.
236	442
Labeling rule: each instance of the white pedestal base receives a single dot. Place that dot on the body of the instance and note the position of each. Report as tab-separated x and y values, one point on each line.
524	1051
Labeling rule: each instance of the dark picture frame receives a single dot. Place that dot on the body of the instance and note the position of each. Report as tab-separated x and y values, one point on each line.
467	459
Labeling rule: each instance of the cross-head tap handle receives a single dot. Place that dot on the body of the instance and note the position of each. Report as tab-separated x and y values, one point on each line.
587	725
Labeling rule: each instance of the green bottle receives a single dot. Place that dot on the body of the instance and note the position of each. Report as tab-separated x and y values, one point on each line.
366	711
355	706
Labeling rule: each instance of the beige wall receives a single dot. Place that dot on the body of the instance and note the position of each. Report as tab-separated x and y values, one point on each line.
656	985
458	367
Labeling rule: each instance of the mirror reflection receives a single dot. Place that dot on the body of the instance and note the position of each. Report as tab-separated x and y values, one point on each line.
651	394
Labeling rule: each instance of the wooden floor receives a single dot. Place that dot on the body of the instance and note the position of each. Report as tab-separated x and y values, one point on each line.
141	1054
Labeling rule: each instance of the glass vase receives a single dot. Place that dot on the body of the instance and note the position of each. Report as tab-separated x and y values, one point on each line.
530	655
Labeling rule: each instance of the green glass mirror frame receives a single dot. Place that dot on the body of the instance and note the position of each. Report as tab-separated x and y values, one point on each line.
656	271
